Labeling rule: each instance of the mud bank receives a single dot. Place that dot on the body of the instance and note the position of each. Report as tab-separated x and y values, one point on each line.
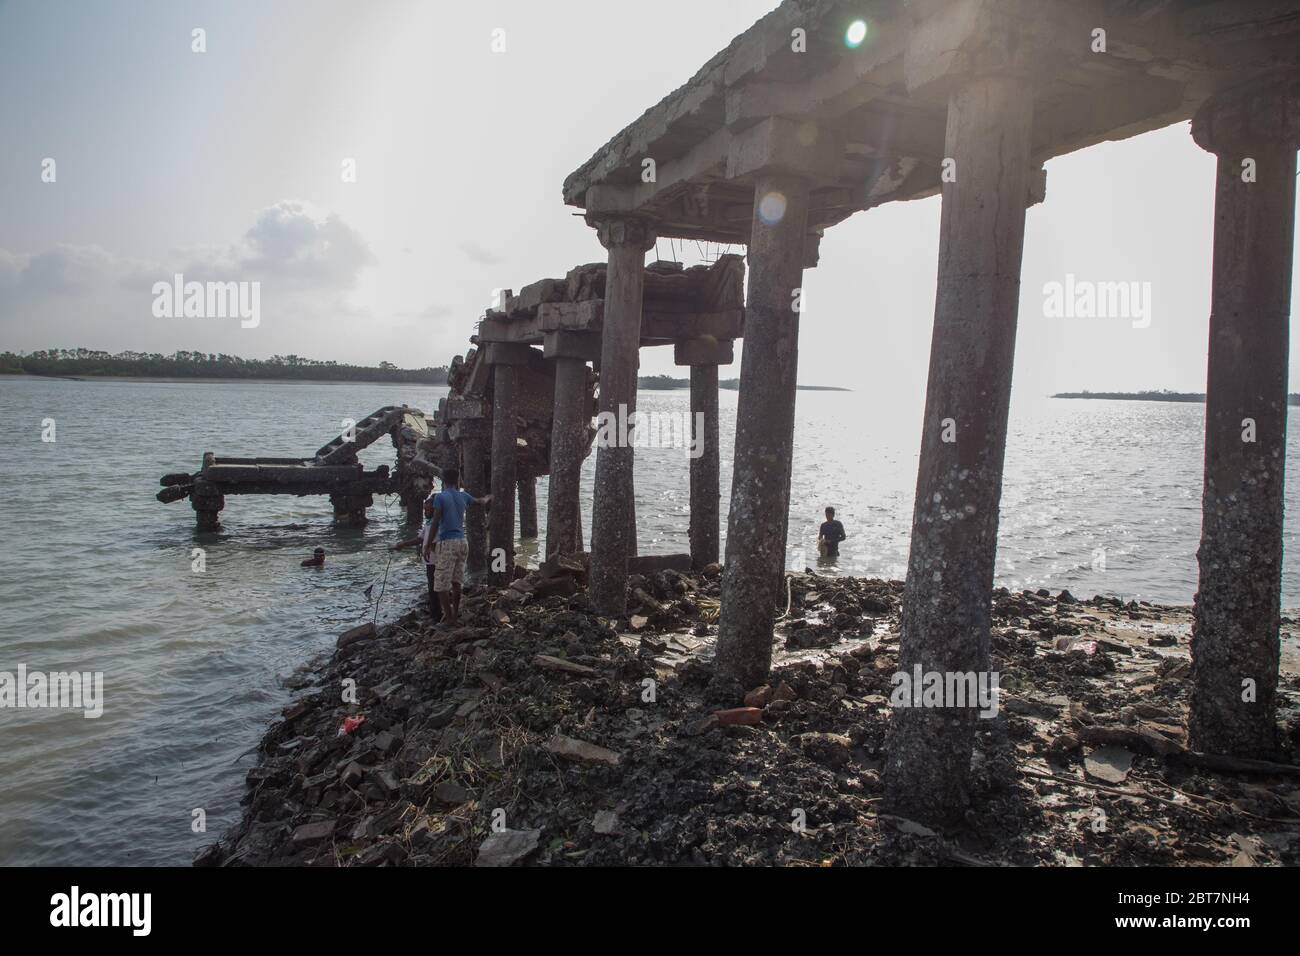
539	733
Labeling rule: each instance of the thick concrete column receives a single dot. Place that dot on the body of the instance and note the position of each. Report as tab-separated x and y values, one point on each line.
527	506
946	604
613	524
472	437
505	432
1235	644
764	429
570	421
703	357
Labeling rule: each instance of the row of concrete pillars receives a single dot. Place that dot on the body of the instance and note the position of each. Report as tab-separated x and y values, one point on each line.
946	616
614	529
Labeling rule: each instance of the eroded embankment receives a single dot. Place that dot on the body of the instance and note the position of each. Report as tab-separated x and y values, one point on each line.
541	733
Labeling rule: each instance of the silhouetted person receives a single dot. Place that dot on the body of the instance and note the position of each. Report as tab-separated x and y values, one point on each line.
830	535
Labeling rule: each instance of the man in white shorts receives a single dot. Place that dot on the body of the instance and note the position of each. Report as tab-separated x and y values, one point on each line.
445	546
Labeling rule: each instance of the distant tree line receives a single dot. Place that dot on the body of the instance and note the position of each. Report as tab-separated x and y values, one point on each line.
1155	395
184	364
665	382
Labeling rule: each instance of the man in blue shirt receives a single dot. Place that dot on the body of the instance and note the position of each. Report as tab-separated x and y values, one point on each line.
445	546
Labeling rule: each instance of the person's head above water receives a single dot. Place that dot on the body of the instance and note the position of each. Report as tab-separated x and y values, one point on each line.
450	478
830	514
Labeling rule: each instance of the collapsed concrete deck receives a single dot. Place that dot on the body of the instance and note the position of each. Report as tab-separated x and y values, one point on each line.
871	120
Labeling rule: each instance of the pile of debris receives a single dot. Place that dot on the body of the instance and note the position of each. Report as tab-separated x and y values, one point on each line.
537	731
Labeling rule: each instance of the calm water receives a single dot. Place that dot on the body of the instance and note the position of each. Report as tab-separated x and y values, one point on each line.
95	575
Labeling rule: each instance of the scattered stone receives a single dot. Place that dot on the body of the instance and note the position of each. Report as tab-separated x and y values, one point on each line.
359	633
605	822
759	697
314	832
448	791
507	847
1108	764
739	716
581	750
560	664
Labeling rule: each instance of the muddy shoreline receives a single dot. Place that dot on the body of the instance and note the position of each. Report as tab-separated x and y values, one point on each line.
539	733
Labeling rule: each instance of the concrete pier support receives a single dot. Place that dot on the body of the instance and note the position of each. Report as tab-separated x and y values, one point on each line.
613	521
350	510
946	605
207	502
703	357
505	434
473	437
570	422
527	487
764	428
1235	644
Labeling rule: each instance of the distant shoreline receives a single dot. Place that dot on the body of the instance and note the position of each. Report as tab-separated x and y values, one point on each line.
664	383
1155	396
648	384
205	380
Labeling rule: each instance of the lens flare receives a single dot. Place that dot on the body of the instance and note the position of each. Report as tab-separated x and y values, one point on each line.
771	208
855	34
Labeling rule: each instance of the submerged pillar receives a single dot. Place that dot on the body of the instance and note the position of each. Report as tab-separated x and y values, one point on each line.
764	428
527	487
946	604
613	538
207	501
704	357
505	433
350	510
1254	133
570	422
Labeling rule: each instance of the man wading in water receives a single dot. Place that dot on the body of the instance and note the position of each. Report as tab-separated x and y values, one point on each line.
449	548
830	536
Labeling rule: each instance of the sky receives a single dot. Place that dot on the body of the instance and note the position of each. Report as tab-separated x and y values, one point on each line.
228	163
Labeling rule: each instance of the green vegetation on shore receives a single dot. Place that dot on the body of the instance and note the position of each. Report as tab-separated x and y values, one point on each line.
89	362
1154	395
665	382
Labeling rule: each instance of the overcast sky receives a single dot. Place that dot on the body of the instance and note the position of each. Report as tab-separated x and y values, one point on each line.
228	164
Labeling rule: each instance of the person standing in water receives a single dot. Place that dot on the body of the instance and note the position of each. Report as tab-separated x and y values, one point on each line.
830	535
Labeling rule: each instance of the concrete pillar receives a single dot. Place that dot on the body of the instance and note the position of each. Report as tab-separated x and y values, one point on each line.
764	429
505	434
570	423
613	538
350	510
946	604
705	494
527	507
473	436
703	357
1235	645
207	502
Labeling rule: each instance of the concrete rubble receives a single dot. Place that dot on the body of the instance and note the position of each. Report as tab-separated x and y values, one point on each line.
549	735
